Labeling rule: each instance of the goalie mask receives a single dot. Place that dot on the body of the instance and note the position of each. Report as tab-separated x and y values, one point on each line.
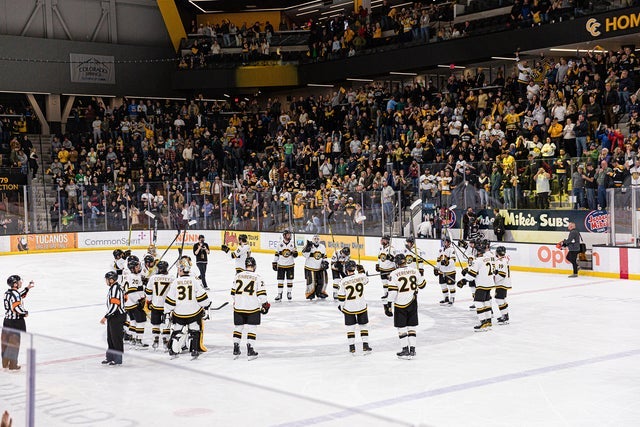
152	250
184	265
316	240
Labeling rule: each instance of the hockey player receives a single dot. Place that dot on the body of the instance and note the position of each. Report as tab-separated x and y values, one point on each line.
385	264
354	306
338	262
119	263
447	271
502	280
156	290
148	268
404	283
482	271
314	268
413	255
469	249
284	263
242	252
134	302
151	250
249	302
185	303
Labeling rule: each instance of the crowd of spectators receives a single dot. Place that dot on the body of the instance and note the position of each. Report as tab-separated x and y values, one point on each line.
538	131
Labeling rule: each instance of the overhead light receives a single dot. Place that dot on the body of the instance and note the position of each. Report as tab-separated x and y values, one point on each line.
333	16
246	99
318	85
327	12
343	4
359	80
193	3
449	66
376	1
308	12
148	97
226	95
251	6
97	96
503	58
302	4
34	93
316	4
403	4
398	73
558	49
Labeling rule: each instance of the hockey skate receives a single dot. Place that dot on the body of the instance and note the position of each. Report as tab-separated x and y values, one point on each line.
451	301
366	350
445	301
194	354
472	307
251	353
140	345
404	354
503	320
236	350
412	352
484	326
289	296
278	297
156	343
352	349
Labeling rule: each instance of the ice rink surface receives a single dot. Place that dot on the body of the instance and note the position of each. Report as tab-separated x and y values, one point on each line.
569	357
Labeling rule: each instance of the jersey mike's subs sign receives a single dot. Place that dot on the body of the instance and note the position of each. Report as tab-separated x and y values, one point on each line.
43	242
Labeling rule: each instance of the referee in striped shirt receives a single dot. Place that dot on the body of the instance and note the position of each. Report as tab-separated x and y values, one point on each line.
114	319
13	321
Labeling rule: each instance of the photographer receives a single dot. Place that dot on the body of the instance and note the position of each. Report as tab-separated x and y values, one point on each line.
201	251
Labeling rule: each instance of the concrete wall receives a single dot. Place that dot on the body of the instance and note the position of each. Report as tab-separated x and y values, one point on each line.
142	79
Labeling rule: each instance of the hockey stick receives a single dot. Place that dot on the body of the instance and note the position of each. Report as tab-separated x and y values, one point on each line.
184	234
224	304
169	247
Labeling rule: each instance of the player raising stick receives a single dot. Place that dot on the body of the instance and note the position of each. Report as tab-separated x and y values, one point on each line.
353	306
242	252
338	262
447	271
405	281
284	264
249	302
385	264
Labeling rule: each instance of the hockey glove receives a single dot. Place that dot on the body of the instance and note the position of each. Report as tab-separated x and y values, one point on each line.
307	247
421	270
294	254
463	244
324	265
436	272
265	308
337	266
461	283
225	248
378	268
451	280
387	310
465	271
360	269
127	253
274	265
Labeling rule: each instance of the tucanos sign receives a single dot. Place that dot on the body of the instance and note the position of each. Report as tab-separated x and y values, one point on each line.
597	222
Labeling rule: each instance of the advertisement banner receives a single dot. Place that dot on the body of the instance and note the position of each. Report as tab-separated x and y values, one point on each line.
113	239
542	220
43	242
230	238
92	68
11	182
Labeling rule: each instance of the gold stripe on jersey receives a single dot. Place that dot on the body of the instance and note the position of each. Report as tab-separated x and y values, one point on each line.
154	307
260	293
392	287
246	311
186	316
450	273
312	269
386	270
501	273
354	312
506	288
169	301
286	266
484	288
406	305
202	297
239	270
472	273
148	291
342	298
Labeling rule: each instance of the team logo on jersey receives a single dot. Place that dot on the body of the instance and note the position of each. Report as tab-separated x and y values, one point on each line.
286	253
409	259
317	255
383	257
596	221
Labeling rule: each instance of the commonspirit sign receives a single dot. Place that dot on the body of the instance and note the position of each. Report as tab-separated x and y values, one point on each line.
92	68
